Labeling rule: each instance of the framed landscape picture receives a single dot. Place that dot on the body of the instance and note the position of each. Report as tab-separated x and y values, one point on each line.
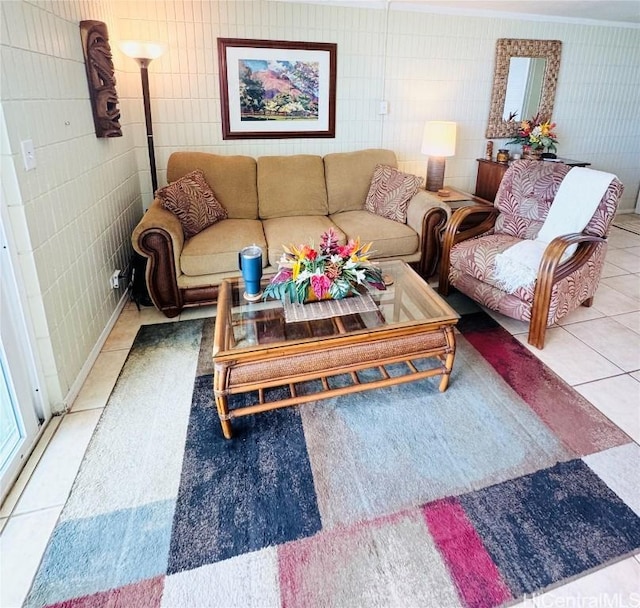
277	89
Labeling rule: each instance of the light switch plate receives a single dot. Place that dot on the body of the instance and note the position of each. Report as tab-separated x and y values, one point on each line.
28	154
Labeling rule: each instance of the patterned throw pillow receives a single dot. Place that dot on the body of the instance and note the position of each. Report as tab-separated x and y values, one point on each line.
191	199
390	192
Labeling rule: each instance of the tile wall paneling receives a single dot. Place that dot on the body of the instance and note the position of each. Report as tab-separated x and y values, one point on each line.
75	212
427	66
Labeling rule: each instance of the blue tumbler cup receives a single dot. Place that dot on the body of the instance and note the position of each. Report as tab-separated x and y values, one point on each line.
250	263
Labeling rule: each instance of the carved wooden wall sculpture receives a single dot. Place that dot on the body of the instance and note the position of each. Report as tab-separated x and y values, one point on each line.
101	78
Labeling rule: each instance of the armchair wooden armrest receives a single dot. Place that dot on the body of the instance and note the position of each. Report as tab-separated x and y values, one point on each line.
551	270
454	234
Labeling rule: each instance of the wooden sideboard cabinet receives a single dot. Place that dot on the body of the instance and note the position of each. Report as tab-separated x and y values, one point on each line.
490	174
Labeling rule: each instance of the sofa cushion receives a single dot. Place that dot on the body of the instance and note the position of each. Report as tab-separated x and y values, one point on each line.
566	294
193	202
349	174
232	178
389	238
216	248
390	192
525	196
477	258
297	230
527	191
290	186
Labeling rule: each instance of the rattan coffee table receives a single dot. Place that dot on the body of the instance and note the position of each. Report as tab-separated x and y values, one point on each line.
256	349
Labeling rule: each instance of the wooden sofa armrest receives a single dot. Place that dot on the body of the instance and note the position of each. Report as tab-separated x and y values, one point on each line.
551	270
454	234
159	237
427	218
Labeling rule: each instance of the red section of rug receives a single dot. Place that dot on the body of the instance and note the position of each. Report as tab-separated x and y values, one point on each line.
145	594
580	426
477	578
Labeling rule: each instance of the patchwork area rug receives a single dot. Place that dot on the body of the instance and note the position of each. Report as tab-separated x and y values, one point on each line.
506	484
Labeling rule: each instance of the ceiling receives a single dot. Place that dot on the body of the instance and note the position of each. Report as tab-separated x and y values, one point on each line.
621	12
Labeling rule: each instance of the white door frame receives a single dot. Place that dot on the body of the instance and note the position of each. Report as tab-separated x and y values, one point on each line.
27	392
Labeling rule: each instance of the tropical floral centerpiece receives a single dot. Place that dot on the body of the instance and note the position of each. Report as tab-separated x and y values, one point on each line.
331	271
536	134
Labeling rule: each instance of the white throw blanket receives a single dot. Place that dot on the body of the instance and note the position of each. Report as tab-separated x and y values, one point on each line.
575	203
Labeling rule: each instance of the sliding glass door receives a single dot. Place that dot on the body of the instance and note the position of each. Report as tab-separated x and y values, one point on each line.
21	412
18	429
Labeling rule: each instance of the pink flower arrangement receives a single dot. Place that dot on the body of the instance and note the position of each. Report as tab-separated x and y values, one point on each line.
332	271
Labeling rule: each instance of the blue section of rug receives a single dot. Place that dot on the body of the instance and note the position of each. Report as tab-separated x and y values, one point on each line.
104	552
551	525
243	494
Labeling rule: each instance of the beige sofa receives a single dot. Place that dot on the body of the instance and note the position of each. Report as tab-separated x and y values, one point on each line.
271	201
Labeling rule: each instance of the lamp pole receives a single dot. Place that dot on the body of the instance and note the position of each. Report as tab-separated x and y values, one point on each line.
144	75
143	53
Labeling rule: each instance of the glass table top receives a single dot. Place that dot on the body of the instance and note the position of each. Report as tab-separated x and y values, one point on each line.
407	301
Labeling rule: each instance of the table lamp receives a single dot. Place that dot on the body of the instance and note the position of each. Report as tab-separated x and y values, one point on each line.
438	142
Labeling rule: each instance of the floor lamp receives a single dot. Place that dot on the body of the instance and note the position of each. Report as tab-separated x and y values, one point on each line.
144	53
438	142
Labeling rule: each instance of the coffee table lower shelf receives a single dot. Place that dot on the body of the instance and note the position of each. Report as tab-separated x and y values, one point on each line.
291	366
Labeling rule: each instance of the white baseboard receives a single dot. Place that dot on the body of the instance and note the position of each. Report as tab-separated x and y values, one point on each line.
74	389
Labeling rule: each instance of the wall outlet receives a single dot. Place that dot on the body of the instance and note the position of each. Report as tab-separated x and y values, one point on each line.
115	279
383	108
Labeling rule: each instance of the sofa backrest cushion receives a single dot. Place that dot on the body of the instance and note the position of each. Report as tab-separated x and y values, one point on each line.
291	185
349	174
232	179
525	196
527	191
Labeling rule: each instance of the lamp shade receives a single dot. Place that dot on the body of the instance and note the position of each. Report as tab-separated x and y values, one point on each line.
137	49
439	138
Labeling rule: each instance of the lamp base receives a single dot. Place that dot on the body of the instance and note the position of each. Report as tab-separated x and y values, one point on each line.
435	173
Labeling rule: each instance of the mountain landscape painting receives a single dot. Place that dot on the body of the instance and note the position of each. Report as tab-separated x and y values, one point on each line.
278	90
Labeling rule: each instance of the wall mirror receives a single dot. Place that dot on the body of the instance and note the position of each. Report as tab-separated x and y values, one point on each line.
524	83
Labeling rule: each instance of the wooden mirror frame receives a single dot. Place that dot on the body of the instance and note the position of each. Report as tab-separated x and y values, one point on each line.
506	48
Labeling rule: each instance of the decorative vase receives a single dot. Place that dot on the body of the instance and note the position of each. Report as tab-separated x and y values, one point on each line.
531	153
502	156
312	297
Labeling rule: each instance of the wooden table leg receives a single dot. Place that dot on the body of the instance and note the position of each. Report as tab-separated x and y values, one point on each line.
450	356
223	414
220	394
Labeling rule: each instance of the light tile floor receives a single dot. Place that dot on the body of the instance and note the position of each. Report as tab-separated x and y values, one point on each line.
596	350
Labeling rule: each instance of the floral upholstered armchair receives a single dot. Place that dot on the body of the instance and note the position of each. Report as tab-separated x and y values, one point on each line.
570	265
